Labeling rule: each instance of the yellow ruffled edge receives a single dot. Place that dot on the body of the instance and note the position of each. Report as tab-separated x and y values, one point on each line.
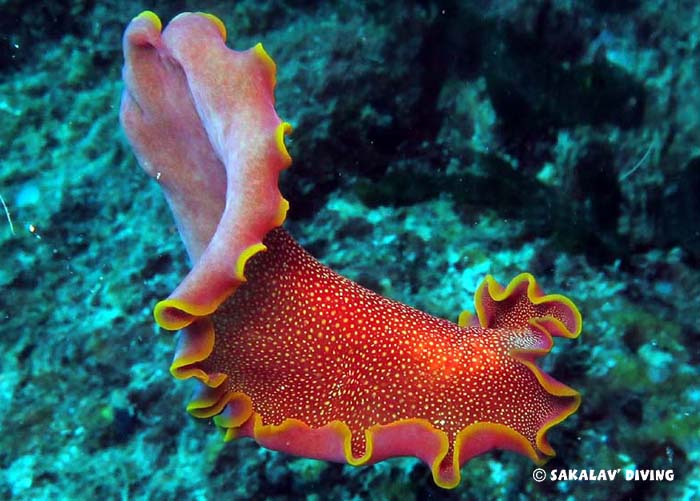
175	314
498	293
267	61
195	344
465	318
216	21
151	17
214	403
555	388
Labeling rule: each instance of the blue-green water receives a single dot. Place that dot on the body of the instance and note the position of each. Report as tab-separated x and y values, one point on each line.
433	143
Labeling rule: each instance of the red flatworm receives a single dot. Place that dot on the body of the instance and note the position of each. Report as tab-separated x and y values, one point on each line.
287	351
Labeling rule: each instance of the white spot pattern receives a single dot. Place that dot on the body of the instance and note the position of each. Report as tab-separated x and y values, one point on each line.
304	342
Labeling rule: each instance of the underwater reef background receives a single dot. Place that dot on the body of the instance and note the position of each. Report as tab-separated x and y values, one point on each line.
434	142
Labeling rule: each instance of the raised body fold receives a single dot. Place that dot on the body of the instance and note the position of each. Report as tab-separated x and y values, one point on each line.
201	120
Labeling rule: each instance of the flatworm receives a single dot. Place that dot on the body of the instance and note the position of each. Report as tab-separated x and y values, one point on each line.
287	351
